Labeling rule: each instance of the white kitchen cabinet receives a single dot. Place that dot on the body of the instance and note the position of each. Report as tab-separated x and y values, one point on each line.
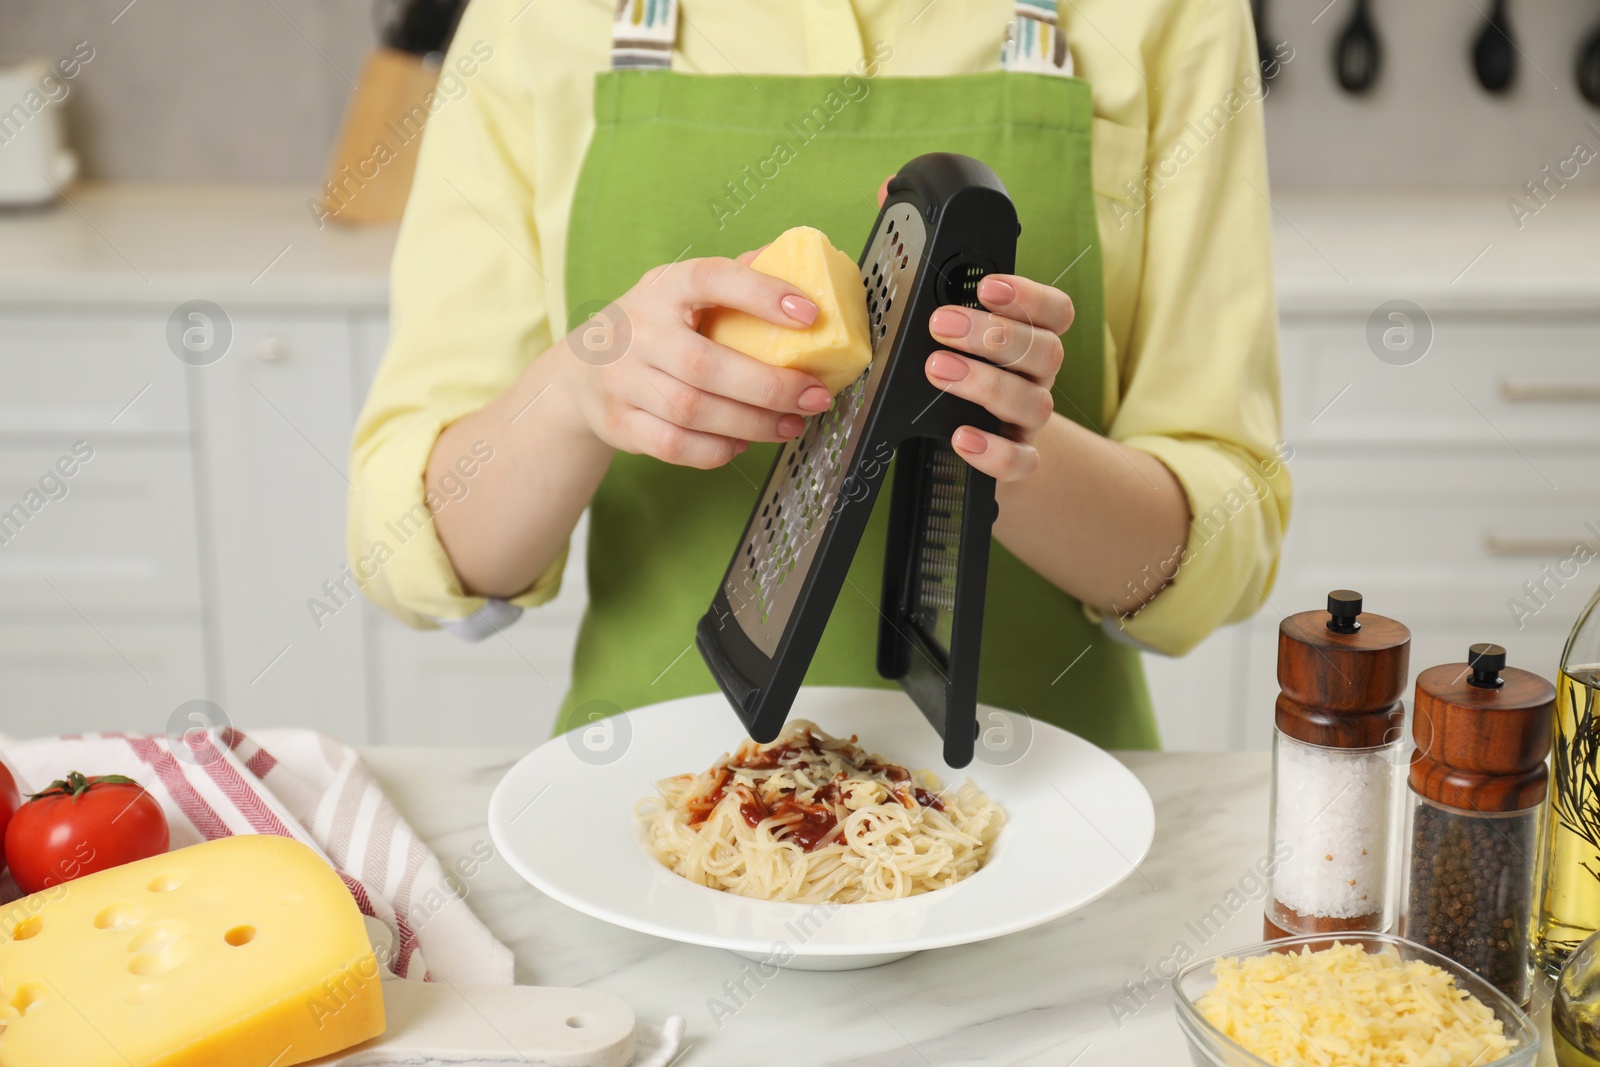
1441	488
273	432
501	692
1196	696
120	536
101	602
87	673
370	337
213	508
88	373
1437	489
1443	542
1454	534
1484	379
504	691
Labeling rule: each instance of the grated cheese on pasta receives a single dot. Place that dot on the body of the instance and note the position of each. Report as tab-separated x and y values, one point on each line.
1346	1007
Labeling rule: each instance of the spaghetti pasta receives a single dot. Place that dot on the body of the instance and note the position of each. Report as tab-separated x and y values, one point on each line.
811	818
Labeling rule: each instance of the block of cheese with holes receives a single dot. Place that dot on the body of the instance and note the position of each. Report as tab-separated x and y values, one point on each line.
241	952
835	348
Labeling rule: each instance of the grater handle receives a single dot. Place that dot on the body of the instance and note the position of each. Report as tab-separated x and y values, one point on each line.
732	681
936	179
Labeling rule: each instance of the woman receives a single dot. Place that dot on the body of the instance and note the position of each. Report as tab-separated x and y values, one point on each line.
1133	355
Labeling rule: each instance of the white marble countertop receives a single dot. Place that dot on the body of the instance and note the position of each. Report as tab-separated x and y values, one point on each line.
1337	251
1081	991
139	244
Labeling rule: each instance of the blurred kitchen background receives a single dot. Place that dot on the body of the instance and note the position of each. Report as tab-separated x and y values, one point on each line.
1441	350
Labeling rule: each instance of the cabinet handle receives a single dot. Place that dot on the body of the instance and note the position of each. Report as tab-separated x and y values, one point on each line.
1524	391
272	349
1510	545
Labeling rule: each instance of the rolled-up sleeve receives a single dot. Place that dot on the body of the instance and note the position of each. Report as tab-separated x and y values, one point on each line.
1200	382
469	310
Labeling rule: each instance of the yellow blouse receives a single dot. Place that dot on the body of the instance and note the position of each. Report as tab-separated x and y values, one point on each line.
1180	176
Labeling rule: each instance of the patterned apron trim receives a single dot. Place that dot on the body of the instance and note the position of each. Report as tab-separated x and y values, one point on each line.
644	31
1035	43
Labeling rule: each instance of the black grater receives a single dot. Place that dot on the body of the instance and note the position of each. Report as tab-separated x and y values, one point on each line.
946	223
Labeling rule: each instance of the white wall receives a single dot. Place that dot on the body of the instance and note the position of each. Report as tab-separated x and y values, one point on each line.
1427	121
254	92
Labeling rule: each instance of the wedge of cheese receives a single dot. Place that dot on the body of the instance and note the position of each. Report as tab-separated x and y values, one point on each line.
837	347
242	952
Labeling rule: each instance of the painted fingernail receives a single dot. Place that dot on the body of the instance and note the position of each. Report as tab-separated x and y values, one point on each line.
790	426
969	440
947	367
994	291
947	322
799	309
815	398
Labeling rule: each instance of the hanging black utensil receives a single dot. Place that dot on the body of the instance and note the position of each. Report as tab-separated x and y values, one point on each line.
419	27
946	223
1494	57
1358	54
1264	53
1589	68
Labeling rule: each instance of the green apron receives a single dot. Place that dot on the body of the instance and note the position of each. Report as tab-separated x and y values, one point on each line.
685	166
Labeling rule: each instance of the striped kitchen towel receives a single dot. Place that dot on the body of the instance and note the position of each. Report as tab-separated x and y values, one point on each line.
300	784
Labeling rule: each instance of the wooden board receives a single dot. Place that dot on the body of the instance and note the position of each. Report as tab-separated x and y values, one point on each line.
433	1023
369	178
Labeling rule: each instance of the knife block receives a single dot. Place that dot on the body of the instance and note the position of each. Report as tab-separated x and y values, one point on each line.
375	157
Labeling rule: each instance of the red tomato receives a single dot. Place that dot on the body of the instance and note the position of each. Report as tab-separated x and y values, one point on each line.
82	825
10	799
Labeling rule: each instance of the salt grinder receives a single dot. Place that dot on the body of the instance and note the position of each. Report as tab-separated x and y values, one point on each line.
1478	782
1335	768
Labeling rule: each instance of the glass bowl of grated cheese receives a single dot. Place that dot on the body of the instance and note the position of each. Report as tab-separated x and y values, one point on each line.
1343	1000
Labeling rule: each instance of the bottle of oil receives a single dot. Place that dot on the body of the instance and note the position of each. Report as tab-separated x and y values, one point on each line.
1575	1008
1569	884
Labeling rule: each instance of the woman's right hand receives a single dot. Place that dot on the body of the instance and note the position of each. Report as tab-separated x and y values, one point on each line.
646	381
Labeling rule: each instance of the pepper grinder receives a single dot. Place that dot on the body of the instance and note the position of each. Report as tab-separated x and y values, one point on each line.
1335	768
1478	782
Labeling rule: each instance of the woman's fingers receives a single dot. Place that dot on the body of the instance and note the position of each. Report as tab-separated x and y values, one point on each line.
643	433
1000	458
682	404
680	396
1017	346
1011	398
744	259
1028	301
718	282
704	364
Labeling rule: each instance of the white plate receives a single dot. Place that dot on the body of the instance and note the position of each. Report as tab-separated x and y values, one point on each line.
1077	823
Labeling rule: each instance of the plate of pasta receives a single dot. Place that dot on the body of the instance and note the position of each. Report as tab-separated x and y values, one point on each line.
843	843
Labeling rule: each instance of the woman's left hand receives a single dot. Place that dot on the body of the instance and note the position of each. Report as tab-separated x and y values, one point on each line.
1019	340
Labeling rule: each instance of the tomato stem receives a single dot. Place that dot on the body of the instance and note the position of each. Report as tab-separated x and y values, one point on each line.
75	784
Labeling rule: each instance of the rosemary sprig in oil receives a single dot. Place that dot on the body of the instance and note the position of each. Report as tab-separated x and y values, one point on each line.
1577	765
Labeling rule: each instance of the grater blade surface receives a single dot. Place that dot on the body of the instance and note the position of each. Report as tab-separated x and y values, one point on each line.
937	554
811	480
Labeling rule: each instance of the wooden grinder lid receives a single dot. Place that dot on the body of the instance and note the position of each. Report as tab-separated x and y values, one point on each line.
1342	674
1482	731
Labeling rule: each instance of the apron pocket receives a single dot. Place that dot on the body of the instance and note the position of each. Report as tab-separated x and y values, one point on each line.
1118	159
